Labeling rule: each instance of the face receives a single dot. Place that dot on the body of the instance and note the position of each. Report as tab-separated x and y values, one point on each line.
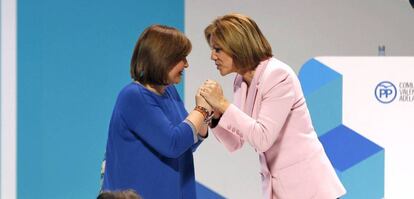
175	74
223	61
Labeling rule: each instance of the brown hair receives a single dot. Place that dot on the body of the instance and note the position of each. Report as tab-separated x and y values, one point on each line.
127	194
240	37
157	51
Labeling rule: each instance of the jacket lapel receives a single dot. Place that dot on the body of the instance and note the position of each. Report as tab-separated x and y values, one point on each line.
253	88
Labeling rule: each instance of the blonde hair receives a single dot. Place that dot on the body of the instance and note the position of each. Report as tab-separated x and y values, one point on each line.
240	37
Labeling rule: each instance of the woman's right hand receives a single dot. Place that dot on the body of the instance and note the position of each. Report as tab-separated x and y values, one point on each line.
200	101
213	94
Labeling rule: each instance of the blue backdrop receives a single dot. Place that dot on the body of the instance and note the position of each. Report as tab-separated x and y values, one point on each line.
73	58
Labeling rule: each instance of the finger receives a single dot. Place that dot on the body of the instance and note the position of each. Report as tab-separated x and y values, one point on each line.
206	83
216	84
209	85
202	94
205	86
202	91
205	92
199	90
210	82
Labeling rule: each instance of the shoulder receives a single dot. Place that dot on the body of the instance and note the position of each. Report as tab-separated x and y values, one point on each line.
278	69
131	89
277	73
132	93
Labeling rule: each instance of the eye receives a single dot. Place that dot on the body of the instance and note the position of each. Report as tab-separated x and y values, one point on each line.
217	49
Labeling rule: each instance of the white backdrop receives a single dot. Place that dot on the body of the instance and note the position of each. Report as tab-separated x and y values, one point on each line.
388	125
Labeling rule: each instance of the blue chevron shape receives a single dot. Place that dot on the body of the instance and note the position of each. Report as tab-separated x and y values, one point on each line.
204	192
314	75
346	148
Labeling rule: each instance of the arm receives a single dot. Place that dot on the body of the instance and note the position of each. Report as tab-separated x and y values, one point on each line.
231	141
202	132
195	146
199	123
213	93
143	116
277	99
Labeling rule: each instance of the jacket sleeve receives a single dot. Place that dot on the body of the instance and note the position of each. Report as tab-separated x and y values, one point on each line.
277	98
195	146
144	117
231	141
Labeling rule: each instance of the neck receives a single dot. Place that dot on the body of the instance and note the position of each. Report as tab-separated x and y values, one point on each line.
158	89
248	76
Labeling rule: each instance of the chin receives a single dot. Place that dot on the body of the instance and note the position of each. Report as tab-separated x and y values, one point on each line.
223	73
177	81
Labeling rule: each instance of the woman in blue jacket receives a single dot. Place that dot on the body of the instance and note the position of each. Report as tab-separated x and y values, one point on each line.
151	136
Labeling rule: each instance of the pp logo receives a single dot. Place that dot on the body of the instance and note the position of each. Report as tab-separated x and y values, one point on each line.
385	92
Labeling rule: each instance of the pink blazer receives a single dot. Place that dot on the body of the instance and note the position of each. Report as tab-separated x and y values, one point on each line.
271	115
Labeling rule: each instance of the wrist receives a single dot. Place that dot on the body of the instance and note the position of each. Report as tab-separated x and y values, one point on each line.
217	114
224	104
207	115
214	122
203	134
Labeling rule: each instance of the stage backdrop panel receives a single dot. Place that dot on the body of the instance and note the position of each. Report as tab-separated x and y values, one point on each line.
73	59
362	110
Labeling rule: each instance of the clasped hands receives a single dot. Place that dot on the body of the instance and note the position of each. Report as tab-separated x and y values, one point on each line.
210	96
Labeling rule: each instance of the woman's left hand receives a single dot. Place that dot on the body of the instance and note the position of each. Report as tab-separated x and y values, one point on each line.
213	93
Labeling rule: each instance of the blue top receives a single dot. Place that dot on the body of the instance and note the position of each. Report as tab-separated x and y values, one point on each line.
150	147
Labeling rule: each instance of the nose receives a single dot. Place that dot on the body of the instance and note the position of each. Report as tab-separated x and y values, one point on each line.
185	63
213	55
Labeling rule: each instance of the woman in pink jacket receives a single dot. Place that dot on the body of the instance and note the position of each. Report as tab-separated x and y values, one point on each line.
269	112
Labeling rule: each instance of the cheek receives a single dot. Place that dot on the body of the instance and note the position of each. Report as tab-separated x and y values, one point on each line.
176	70
228	60
229	63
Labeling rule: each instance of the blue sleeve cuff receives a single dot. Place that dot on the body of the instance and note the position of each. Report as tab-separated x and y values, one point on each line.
195	135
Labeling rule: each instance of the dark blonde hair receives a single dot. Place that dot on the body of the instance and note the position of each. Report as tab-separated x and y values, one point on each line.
157	51
240	37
